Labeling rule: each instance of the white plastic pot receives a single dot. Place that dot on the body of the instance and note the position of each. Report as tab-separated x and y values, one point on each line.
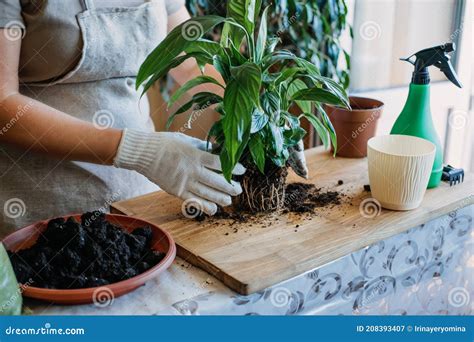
399	170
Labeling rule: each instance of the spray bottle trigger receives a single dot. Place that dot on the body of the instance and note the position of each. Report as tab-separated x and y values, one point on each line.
448	70
437	56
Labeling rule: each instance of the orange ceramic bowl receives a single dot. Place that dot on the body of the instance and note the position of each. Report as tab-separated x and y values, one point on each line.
162	241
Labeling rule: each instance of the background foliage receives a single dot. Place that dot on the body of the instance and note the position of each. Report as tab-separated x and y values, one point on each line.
309	28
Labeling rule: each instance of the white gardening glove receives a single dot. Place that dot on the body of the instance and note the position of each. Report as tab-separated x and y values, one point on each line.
297	160
180	165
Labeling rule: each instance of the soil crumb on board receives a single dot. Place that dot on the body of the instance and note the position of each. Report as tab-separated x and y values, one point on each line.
90	253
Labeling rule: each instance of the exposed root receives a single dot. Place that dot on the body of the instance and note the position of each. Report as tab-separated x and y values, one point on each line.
261	193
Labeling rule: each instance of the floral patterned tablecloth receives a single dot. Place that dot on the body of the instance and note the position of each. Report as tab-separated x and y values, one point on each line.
428	270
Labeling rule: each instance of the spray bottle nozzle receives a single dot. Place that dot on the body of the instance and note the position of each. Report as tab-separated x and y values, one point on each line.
437	56
449	47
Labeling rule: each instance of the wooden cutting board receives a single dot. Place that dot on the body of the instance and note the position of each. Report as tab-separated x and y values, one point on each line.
254	255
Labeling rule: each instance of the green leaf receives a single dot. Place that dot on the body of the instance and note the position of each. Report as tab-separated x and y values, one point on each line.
235	125
293	121
287	74
217	133
172	64
259	120
178	40
337	89
269	78
257	150
226	164
310	67
236	57
281	159
293	136
10	295
243	146
277	138
223	67
347	58
227	32
332	86
202	100
262	37
277	56
244	12
270	102
293	88
191	84
319	127
205	46
272	42
294	133
327	123
317	95
249	77
205	51
240	98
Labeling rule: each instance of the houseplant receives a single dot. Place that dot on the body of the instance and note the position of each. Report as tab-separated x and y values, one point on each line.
261	83
311	29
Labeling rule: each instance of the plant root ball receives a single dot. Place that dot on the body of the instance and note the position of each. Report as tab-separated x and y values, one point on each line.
261	192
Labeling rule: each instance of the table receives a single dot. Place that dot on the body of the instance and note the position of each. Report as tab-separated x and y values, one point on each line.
266	250
427	270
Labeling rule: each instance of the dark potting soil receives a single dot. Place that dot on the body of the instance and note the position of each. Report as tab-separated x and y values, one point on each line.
94	252
303	198
299	198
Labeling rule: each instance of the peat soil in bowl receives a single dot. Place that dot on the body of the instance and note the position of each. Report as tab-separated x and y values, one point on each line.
90	253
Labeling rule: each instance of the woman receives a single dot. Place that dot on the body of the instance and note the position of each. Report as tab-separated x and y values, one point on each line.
72	136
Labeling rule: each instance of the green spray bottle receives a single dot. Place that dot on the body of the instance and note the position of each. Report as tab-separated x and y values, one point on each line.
415	118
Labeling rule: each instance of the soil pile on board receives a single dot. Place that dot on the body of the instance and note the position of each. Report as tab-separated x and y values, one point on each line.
304	198
299	198
94	252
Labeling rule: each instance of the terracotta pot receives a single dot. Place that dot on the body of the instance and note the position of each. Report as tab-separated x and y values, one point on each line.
355	127
162	241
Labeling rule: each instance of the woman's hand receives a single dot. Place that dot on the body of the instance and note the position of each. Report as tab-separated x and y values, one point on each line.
180	165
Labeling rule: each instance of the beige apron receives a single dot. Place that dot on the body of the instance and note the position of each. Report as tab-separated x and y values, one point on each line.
100	89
